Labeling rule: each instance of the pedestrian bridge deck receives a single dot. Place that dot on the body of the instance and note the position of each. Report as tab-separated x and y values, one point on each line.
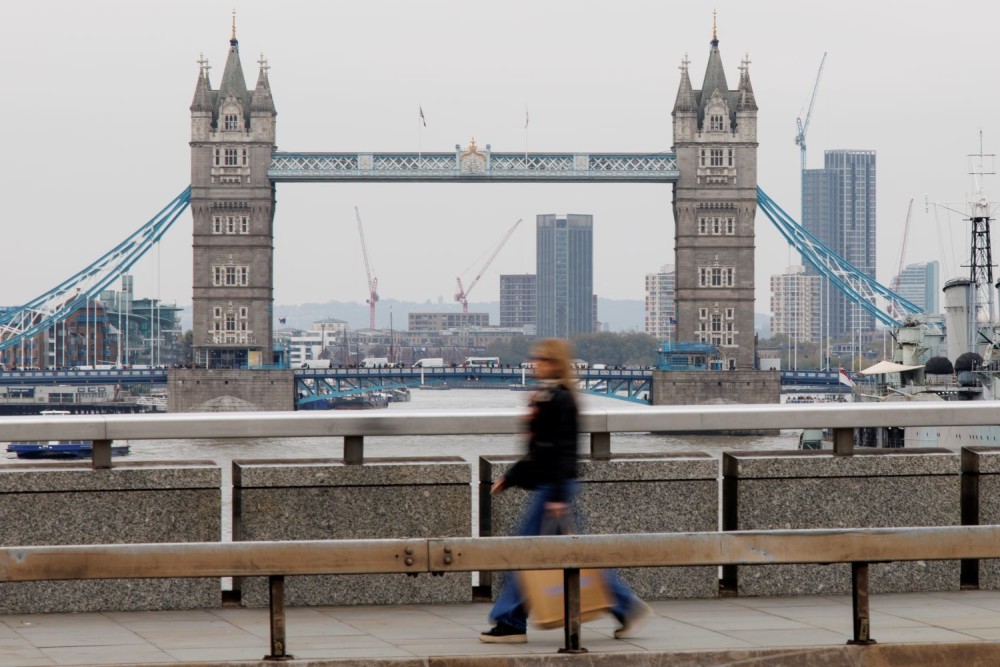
912	629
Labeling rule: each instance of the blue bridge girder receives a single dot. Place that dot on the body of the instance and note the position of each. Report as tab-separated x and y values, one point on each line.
71	377
629	385
475	166
42	312
859	287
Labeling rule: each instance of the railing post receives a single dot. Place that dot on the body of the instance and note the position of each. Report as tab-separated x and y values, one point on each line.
843	441
600	446
571	611
354	449
101	454
277	597
859	604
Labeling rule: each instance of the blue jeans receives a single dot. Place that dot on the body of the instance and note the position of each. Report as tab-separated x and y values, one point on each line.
509	607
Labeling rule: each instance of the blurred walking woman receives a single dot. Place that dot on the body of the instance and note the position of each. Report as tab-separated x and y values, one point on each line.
549	470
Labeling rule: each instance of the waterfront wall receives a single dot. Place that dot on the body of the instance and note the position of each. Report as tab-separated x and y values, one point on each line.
630	493
230	390
707	387
51	503
874	488
328	500
980	507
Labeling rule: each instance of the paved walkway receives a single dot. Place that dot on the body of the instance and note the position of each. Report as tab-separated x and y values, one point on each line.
366	634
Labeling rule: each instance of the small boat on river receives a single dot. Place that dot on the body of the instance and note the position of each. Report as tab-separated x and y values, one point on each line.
60	449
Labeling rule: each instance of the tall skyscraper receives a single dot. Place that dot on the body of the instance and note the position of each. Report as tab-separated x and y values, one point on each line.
715	200
920	284
838	208
518	303
661	313
565	274
795	305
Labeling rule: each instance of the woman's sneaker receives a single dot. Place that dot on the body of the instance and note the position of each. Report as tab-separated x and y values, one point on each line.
631	621
502	633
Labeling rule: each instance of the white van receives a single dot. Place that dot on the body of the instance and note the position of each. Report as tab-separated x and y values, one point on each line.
433	362
316	363
374	362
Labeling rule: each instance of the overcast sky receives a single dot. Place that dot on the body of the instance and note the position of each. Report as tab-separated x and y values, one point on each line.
96	126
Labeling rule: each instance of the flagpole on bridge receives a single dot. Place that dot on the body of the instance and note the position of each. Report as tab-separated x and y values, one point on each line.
421	124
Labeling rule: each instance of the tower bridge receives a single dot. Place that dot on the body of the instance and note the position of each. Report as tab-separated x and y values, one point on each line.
236	167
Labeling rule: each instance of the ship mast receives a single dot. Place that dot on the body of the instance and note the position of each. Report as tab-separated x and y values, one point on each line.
983	315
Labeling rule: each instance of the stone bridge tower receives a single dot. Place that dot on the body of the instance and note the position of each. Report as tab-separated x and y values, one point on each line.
232	203
715	199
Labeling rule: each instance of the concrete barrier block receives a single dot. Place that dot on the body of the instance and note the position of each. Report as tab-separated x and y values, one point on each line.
874	488
980	507
630	493
58	503
326	499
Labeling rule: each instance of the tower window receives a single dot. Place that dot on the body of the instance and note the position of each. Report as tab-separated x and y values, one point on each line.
731	157
716	276
716	156
230	121
230	224
230	155
230	276
716	122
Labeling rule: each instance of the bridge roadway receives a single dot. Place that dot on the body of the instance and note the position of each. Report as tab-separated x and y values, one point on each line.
959	628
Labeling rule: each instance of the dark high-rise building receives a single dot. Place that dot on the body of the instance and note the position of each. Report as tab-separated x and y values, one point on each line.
565	274
838	208
518	303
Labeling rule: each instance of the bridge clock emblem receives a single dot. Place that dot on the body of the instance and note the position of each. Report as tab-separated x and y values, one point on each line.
471	160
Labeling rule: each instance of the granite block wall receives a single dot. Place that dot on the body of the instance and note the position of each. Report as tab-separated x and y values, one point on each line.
981	507
230	390
326	499
703	387
630	493
55	503
874	488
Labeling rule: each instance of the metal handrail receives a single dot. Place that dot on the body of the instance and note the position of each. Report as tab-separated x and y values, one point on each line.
704	418
570	553
842	418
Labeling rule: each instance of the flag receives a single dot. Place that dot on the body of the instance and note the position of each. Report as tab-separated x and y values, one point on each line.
281	320
526	118
845	378
422	119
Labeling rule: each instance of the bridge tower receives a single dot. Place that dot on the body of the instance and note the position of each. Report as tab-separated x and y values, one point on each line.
715	199
232	204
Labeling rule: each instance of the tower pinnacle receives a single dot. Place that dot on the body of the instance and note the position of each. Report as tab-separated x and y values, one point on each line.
232	40
715	33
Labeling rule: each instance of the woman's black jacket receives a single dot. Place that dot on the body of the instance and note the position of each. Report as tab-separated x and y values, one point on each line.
552	443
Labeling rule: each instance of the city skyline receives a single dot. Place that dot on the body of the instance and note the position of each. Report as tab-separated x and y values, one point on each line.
90	182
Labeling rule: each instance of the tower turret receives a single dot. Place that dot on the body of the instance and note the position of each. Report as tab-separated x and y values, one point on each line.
262	111
203	104
685	111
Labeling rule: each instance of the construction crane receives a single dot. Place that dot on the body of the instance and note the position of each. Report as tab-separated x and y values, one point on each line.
803	125
894	308
462	293
372	280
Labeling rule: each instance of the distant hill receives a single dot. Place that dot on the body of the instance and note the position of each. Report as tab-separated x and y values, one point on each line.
617	314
